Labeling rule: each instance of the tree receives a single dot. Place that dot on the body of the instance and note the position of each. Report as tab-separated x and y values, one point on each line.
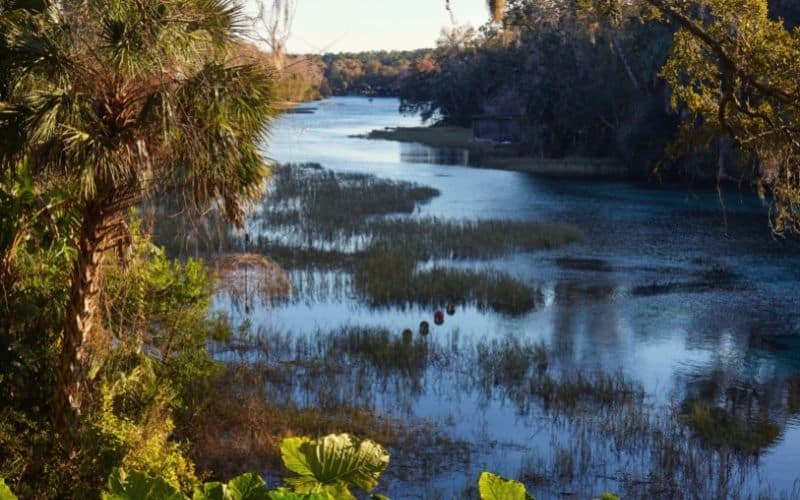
116	101
273	25
733	70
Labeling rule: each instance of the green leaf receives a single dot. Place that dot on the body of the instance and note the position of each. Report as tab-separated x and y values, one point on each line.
284	494
209	491
293	457
494	487
608	496
248	486
139	486
329	464
5	491
307	485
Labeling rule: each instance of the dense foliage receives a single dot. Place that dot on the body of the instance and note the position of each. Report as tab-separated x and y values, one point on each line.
104	104
580	88
327	468
376	73
713	83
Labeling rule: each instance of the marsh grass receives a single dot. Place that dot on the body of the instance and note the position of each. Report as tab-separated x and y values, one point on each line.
389	277
320	219
277	385
438	238
335	203
384	350
242	428
601	427
721	429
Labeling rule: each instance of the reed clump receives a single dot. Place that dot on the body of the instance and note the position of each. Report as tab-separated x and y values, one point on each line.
720	429
390	277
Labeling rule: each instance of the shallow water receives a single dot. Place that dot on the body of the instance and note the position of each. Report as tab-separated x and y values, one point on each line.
635	297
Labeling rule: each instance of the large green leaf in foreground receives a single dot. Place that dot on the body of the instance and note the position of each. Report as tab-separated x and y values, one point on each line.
123	485
493	487
5	491
329	465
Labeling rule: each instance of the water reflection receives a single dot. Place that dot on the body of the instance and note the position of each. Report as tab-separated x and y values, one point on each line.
417	153
664	294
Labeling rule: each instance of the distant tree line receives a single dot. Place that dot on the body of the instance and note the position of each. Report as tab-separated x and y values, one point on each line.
302	78
377	73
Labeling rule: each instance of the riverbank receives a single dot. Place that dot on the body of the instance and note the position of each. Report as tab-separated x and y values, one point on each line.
501	156
292	107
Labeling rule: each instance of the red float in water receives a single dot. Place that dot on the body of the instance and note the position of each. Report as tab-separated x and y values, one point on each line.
438	317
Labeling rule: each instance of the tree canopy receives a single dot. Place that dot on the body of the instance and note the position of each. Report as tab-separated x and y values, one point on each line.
110	102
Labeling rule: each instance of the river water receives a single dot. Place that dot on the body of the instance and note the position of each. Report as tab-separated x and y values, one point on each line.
670	287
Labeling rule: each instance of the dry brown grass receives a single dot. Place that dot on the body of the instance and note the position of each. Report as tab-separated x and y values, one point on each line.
250	273
240	430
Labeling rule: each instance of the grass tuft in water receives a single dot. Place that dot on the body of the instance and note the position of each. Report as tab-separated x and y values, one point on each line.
718	428
390	277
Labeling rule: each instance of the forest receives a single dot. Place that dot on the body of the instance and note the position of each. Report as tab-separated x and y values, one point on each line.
584	84
147	238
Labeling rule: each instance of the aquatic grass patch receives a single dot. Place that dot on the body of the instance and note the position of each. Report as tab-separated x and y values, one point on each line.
314	218
327	208
435	237
437	137
523	373
388	277
329	203
384	350
242	427
718	428
599	424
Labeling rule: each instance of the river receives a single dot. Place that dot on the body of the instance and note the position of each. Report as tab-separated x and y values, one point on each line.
682	292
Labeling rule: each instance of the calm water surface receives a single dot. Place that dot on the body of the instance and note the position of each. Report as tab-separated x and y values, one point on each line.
635	307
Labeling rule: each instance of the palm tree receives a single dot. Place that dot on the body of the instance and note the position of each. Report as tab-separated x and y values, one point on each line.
117	101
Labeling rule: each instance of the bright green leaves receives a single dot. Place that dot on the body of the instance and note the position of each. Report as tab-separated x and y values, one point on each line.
139	486
733	73
284	494
245	487
5	491
494	487
329	465
326	469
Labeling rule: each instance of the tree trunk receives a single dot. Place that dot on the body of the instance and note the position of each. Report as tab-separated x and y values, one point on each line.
98	232
617	46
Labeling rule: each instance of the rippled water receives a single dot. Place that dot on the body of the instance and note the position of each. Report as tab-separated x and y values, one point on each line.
636	296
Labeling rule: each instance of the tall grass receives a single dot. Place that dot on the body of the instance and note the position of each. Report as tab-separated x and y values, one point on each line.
316	218
601	426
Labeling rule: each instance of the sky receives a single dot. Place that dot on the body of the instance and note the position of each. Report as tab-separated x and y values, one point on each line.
360	25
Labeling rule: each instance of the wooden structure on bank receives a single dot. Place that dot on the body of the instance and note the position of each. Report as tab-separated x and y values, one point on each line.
502	129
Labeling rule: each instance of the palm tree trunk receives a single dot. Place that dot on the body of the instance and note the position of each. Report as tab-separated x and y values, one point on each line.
98	233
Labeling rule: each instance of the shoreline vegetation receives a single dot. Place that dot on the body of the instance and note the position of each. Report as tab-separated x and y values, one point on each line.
500	156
